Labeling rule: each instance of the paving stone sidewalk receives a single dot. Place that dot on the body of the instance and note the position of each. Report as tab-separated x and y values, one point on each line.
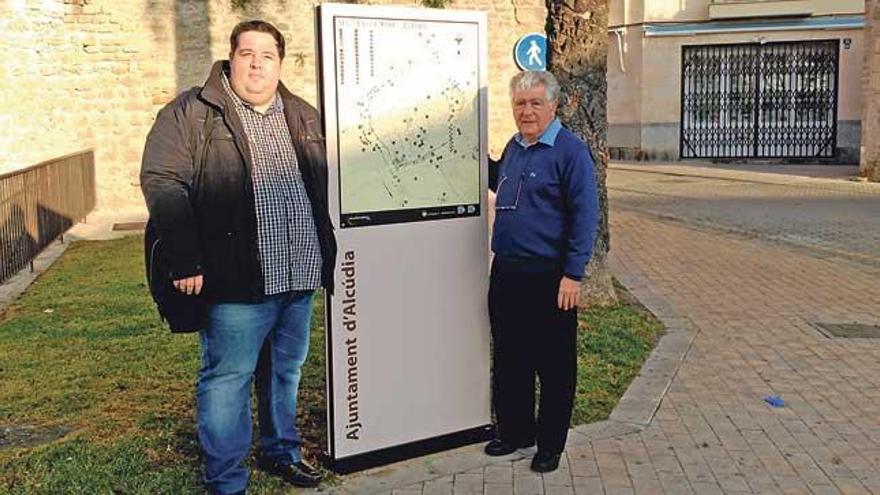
742	315
836	217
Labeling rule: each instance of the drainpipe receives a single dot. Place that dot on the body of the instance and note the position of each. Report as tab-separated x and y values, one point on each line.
619	31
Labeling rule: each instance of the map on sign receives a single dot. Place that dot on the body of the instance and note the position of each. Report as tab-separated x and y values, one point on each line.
408	118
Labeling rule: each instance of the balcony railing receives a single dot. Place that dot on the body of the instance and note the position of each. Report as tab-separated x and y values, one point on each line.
38	204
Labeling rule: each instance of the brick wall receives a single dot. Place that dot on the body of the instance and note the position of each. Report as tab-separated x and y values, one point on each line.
93	73
870	161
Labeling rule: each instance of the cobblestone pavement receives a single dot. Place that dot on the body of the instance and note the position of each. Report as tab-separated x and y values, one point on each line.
833	217
741	314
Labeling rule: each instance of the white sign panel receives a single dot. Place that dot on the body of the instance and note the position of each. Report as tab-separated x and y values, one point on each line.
404	104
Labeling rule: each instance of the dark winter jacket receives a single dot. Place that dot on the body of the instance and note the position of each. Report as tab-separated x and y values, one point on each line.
214	233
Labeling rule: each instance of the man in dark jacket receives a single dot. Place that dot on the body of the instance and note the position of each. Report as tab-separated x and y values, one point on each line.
249	231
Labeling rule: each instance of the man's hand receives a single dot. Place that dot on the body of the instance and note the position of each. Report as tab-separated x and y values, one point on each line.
189	285
569	290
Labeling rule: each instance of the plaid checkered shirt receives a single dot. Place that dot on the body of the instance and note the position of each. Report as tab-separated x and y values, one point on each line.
290	254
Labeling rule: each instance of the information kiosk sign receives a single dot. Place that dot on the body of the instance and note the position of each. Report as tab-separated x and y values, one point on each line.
403	92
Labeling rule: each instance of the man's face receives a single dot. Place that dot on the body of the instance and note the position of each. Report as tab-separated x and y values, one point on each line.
255	67
532	112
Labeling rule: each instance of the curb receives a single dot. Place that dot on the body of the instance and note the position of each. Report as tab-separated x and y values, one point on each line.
749	176
98	226
15	286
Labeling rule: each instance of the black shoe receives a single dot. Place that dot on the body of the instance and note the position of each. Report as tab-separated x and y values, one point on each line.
297	473
544	462
499	447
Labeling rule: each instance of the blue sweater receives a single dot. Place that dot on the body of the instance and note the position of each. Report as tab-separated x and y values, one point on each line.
547	208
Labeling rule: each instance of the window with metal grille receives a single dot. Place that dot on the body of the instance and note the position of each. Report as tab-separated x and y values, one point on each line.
767	100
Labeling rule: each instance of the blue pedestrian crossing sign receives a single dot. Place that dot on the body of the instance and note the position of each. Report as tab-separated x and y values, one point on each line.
530	52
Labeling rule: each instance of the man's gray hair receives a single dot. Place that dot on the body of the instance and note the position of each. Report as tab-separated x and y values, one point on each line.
531	78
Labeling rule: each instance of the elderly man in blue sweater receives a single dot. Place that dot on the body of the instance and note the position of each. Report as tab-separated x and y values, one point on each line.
546	214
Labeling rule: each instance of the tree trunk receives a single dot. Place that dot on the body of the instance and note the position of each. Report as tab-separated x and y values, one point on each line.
578	43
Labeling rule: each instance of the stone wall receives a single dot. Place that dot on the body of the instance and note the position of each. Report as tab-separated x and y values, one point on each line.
870	162
93	73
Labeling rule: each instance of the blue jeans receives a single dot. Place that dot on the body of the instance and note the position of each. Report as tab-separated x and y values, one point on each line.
269	340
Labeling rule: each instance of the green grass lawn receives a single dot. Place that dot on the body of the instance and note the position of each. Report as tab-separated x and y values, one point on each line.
96	396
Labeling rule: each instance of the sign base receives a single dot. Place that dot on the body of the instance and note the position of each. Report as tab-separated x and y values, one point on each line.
399	453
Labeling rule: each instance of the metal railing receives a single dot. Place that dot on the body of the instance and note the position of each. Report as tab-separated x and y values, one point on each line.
39	203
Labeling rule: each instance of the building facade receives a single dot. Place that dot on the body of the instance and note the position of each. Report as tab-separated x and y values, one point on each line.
82	74
775	80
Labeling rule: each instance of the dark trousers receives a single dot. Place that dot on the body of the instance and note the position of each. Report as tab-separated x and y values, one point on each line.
531	336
